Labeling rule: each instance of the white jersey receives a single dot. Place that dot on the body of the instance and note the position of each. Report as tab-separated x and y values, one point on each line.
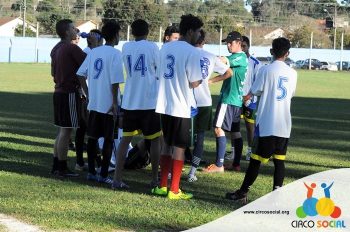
275	84
102	67
179	66
209	64
253	66
141	87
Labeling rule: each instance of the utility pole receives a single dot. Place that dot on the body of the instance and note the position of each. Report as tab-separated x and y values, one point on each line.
24	17
85	10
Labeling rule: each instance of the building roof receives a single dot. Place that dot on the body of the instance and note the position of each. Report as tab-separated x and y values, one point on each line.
81	22
5	20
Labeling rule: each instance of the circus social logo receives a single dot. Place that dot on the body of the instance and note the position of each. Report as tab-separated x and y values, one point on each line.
324	207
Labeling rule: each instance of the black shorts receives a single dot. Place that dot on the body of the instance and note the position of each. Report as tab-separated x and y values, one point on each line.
203	120
100	125
248	114
146	122
227	117
67	109
177	131
270	146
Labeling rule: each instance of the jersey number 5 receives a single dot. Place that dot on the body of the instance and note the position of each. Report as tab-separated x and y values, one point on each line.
282	88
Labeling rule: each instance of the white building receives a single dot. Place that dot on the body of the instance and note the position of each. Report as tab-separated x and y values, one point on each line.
274	34
86	26
8	26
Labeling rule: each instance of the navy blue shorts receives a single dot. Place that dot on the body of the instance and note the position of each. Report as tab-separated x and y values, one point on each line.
227	117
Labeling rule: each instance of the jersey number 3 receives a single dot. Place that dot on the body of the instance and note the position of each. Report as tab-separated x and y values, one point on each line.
170	67
282	88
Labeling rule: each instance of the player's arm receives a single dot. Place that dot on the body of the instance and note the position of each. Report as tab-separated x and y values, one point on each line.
82	75
226	75
258	85
114	107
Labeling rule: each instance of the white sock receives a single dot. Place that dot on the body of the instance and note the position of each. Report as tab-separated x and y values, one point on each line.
192	171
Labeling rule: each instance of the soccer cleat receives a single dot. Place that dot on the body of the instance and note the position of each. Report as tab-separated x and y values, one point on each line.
106	180
84	167
163	191
238	195
179	196
116	185
192	178
232	167
91	177
66	173
213	169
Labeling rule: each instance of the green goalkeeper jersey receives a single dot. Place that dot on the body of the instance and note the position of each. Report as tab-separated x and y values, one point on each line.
232	88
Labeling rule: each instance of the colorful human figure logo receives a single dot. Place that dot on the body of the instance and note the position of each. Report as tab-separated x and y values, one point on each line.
323	206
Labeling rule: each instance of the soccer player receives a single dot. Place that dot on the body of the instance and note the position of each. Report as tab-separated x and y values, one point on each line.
228	111
66	58
276	85
203	120
179	72
171	33
249	106
139	99
93	40
104	69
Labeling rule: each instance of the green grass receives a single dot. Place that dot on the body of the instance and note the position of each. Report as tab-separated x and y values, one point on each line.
320	141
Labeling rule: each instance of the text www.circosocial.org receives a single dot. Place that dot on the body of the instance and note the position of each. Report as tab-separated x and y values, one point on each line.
285	212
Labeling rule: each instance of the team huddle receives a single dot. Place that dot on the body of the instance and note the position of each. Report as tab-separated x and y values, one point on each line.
167	99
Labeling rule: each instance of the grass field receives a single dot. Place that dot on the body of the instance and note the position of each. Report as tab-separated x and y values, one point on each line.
320	141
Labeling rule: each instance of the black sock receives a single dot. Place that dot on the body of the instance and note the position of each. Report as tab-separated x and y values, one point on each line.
62	165
54	164
79	143
106	157
238	145
250	175
91	152
278	175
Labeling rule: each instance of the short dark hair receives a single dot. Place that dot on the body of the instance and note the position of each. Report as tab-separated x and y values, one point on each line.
189	22
139	27
110	29
170	30
62	26
246	39
201	38
280	47
96	31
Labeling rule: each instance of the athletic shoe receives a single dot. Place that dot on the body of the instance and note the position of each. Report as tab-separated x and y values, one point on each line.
163	191
106	180
192	178
238	196
213	169
92	177
247	155
66	173
84	167
231	167
180	195
116	185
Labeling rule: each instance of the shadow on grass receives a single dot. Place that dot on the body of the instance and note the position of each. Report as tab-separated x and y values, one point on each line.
326	121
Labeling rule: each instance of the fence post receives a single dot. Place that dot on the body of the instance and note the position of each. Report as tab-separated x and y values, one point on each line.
160	34
10	50
220	43
311	40
128	34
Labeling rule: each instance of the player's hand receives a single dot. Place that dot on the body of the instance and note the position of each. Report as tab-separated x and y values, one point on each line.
247	97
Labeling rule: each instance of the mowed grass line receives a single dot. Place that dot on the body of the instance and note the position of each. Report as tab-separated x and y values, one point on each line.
320	135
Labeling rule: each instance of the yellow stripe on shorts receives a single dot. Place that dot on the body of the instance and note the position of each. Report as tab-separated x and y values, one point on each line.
279	157
132	133
261	159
